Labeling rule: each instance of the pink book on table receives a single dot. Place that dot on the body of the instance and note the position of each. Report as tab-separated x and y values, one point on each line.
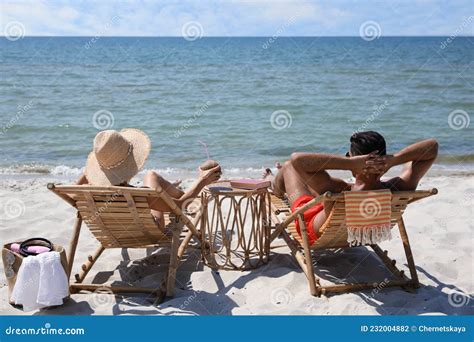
249	184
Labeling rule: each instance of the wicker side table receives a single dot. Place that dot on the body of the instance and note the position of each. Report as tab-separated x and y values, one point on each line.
235	223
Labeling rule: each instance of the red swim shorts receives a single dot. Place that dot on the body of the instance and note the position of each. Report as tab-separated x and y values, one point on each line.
308	215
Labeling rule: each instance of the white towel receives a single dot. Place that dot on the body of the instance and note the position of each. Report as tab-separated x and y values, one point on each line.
41	282
25	291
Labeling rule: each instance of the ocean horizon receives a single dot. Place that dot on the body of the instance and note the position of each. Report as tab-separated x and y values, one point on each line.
244	101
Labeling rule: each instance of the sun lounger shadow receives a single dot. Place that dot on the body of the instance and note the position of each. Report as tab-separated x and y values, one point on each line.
198	302
134	272
441	298
339	266
185	302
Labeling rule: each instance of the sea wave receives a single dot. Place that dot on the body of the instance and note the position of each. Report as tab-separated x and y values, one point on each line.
451	159
444	162
65	170
32	168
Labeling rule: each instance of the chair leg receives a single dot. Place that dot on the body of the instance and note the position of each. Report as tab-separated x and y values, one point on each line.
300	258
408	253
86	267
170	282
308	259
189	236
115	289
184	244
73	244
389	263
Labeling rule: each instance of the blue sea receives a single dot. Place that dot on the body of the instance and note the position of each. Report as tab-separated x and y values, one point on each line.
245	102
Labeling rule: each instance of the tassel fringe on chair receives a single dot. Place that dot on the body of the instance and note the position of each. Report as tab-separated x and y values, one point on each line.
368	235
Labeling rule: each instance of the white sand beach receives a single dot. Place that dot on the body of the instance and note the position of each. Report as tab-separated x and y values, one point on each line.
440	229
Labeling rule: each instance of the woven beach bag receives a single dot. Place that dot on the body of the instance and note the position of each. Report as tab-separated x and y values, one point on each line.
12	262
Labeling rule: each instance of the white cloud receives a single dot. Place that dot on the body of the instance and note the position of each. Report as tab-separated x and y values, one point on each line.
227	18
68	13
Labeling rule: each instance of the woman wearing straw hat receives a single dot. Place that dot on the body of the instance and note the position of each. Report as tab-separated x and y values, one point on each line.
118	156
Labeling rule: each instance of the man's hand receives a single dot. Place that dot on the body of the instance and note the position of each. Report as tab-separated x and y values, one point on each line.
359	164
379	164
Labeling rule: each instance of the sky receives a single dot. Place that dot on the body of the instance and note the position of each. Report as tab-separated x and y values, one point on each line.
236	18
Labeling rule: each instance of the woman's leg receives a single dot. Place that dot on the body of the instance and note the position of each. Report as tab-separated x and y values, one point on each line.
153	179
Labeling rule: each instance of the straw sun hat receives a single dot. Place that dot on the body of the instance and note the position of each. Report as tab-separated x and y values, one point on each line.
117	156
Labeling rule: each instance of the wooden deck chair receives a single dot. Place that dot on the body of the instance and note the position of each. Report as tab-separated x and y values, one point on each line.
335	236
120	217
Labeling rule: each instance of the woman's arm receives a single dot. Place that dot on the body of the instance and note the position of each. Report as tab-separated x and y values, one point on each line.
419	157
205	178
153	180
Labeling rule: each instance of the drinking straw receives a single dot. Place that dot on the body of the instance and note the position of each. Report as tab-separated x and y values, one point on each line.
205	148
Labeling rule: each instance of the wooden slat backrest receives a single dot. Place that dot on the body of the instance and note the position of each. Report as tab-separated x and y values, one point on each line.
334	229
116	216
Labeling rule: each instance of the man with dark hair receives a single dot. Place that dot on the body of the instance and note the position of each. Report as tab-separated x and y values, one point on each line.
367	142
305	175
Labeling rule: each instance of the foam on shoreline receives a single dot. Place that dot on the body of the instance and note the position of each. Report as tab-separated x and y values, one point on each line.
37	169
